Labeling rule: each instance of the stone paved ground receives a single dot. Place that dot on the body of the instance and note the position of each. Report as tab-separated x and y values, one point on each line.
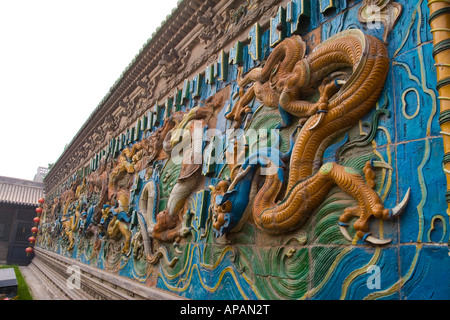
38	289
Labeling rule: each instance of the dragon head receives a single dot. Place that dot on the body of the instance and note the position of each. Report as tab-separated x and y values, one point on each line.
229	202
219	207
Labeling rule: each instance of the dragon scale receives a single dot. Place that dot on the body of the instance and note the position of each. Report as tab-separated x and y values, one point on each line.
349	70
370	64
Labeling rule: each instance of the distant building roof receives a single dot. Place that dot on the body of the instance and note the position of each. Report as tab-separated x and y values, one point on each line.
40	175
19	191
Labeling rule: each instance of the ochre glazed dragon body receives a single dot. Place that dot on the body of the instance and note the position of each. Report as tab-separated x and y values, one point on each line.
349	71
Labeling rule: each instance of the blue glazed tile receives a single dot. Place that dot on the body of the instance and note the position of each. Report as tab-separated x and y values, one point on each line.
348	20
383	120
248	63
420	168
351	3
334	8
126	268
411	29
333	26
387	190
438	229
416	106
265	47
226	280
377	276
340	286
192	281
425	272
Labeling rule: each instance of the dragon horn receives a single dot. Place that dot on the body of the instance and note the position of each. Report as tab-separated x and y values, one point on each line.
239	176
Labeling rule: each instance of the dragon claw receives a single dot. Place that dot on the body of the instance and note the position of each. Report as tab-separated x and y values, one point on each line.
393	213
374	240
398	209
344	231
367	237
381	164
321	114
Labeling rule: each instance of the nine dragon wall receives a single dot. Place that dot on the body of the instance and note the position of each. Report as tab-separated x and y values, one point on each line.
316	261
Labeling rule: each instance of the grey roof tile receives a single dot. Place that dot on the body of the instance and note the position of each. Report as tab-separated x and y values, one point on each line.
18	191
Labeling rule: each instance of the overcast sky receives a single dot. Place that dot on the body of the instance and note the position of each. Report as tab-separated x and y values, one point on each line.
58	59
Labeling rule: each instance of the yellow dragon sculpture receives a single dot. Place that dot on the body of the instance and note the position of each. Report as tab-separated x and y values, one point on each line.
349	69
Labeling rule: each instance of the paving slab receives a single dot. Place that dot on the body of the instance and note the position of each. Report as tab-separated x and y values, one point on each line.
38	289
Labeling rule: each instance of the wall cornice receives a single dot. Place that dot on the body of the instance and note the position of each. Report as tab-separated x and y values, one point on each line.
138	88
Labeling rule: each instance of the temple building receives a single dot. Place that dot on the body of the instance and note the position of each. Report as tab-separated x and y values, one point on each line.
263	150
18	200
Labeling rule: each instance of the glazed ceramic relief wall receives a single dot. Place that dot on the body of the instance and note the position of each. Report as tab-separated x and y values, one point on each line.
317	173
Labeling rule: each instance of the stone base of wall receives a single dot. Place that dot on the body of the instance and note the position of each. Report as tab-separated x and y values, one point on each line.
40	287
51	270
